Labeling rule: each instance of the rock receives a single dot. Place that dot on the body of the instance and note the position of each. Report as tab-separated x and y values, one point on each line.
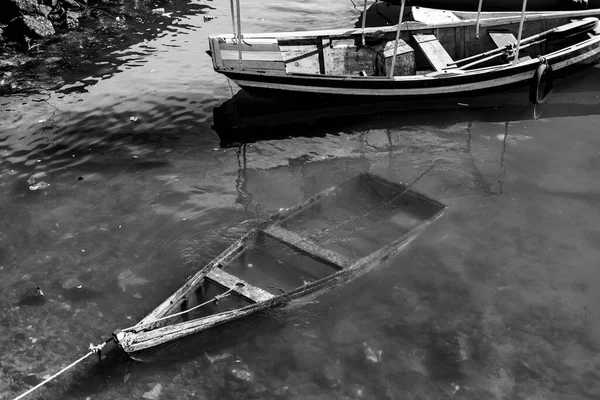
34	26
333	374
285	391
356	391
71	283
32	297
154	393
71	4
45	10
371	356
73	19
450	349
16	8
239	377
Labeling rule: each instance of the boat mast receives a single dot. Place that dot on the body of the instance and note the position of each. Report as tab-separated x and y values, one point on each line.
391	73
478	18
516	60
364	22
239	33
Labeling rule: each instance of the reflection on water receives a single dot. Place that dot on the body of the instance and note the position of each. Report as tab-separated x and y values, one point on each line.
495	300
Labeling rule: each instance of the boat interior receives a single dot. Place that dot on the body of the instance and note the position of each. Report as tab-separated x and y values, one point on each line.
361	216
430	41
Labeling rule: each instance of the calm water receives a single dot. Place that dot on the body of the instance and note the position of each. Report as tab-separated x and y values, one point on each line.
497	300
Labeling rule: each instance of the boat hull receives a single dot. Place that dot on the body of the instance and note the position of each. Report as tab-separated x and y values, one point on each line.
504	5
415	88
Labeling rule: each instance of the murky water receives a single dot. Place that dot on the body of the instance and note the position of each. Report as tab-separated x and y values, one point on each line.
497	300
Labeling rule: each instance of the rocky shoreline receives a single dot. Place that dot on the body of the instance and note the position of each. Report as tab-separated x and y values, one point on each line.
47	44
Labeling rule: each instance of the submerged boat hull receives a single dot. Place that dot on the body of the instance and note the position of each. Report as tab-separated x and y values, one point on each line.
304	264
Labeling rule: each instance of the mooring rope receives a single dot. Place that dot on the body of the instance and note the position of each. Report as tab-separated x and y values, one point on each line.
213	300
93	350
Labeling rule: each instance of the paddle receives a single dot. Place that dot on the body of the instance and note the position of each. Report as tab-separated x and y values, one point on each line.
560	31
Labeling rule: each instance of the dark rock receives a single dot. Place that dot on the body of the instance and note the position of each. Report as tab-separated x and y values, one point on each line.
449	350
15	8
31	379
333	374
32	297
31	26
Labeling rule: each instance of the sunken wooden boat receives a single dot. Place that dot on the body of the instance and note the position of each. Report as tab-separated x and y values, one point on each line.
330	239
436	54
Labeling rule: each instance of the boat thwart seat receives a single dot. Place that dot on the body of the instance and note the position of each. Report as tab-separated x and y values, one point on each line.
294	240
434	51
230	282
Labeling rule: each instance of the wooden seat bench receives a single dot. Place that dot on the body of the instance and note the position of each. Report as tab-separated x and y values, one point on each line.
433	50
228	281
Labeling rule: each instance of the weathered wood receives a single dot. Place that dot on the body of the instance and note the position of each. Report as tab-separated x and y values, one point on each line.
265	45
255	65
433	50
502	39
143	337
252	55
294	240
228	281
173	302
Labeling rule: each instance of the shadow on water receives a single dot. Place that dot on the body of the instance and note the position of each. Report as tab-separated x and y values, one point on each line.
105	35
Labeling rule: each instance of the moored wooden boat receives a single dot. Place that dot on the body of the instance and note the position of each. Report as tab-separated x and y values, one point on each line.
444	57
331	238
505	5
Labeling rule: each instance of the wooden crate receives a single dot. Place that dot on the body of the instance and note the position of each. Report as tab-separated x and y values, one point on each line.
405	58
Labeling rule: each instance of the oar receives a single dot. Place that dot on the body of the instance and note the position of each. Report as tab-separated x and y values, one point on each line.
583	25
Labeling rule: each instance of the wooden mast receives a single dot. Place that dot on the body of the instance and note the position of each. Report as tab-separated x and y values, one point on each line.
364	22
391	73
478	19
239	33
516	60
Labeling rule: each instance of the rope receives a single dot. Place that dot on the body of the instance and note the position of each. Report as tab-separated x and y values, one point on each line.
93	350
214	299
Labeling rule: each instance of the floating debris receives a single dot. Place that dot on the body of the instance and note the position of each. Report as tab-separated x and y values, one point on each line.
133	118
208	18
218	357
154	393
39	186
158	11
370	355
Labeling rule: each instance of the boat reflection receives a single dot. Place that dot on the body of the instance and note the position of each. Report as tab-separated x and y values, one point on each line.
246	119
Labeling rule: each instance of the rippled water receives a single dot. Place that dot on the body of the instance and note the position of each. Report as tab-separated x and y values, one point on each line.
496	300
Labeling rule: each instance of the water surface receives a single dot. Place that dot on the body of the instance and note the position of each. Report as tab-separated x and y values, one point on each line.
496	300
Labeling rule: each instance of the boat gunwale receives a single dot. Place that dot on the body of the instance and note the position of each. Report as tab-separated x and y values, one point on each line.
409	26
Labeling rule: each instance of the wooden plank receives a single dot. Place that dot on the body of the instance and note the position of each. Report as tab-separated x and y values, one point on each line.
229	281
255	65
433	50
252	55
247	46
301	58
308	246
503	39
